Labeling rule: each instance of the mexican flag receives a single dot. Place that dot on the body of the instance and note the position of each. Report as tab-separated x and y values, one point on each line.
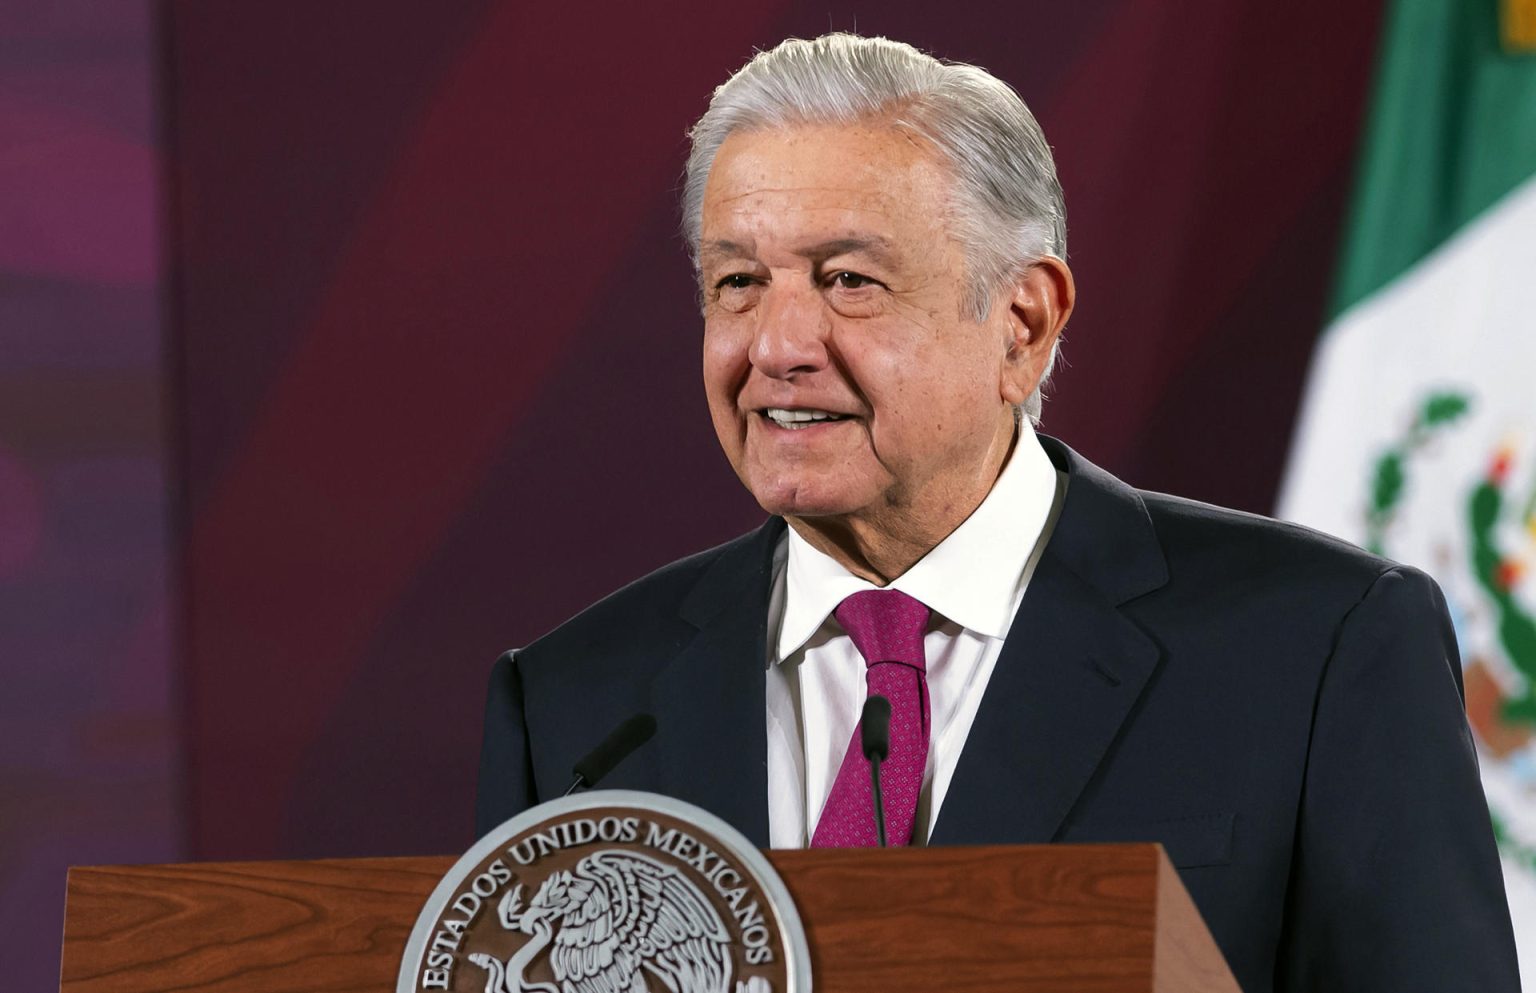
1417	434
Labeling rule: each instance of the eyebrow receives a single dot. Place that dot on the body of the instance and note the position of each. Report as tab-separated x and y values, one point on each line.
876	246
723	248
879	247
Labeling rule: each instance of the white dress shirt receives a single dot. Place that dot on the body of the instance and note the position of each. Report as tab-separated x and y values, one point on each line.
973	581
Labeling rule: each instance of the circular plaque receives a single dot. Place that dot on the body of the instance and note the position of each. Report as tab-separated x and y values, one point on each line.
610	891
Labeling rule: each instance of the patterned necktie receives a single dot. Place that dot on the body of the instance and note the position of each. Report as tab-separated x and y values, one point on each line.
887	627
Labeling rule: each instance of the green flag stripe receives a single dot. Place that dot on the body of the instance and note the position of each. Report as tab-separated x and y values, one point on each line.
1452	129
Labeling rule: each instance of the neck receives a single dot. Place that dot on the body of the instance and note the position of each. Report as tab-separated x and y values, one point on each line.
877	547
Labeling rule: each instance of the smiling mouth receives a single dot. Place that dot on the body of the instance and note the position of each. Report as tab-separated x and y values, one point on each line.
795	420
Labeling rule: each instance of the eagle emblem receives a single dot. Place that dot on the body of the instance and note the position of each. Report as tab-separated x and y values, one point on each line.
617	922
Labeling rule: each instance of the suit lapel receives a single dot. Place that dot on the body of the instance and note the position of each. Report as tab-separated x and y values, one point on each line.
711	739
1070	672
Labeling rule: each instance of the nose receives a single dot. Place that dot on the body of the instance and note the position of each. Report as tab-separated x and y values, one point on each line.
791	333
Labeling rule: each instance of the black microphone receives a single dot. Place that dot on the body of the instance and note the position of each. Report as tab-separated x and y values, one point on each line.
615	748
875	739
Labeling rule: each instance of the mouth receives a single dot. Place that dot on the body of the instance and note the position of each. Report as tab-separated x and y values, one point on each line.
801	418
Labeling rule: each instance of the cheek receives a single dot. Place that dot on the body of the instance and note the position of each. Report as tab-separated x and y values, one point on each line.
725	372
725	361
894	378
929	399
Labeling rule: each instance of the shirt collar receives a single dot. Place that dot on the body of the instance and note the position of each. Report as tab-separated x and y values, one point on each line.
973	577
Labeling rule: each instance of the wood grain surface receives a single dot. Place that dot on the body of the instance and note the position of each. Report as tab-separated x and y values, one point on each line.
1042	919
243	927
1045	919
1186	957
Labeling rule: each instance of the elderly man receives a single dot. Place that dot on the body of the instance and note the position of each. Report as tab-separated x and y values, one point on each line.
880	243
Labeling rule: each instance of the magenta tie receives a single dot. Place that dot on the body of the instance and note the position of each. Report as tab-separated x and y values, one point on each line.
887	627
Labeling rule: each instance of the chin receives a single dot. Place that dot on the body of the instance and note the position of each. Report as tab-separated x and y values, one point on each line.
802	498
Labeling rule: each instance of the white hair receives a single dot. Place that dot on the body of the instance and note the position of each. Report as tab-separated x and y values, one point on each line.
1007	209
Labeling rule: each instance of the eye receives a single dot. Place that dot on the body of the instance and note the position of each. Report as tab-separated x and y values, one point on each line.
846	280
736	292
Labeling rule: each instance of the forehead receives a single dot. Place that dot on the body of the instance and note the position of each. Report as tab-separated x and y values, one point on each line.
826	181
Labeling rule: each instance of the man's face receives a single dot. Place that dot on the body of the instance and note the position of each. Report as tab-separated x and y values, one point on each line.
845	375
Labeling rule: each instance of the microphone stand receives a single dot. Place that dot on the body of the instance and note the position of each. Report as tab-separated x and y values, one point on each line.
875	740
621	741
874	785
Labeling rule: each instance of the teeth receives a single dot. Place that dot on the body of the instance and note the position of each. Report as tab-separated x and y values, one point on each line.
794	419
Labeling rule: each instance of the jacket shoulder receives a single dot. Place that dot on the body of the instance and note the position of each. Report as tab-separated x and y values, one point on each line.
653	609
1135	541
1206	538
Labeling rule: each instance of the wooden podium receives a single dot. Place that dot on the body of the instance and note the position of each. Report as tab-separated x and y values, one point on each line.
1034	919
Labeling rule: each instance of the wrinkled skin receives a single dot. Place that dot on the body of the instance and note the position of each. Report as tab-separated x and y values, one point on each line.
831	284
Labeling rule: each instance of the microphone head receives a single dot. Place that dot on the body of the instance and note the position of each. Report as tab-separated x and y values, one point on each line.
624	739
875	728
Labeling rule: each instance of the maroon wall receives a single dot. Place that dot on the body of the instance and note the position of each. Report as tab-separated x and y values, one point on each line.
440	358
90	768
421	376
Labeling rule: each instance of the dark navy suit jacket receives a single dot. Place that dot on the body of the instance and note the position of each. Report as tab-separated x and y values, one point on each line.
1279	709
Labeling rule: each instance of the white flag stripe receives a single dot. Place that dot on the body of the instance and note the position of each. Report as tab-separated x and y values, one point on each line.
1463	320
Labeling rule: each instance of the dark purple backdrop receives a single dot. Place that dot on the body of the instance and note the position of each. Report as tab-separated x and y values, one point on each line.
431	358
441	360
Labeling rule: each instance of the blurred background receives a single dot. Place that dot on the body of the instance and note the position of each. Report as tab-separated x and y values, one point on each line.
344	346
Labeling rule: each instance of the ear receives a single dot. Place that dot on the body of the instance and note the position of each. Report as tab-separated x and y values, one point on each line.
1041	301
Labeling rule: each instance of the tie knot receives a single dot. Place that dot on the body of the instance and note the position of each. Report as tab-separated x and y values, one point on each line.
885	625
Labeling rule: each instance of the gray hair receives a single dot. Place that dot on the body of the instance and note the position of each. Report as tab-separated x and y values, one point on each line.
1007	211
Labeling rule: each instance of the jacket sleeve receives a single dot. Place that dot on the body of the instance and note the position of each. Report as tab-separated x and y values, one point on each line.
1396	883
506	771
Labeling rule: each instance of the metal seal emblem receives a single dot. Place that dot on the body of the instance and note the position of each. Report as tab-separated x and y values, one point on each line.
611	891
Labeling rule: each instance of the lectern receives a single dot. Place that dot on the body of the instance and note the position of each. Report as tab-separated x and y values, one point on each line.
1025	919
